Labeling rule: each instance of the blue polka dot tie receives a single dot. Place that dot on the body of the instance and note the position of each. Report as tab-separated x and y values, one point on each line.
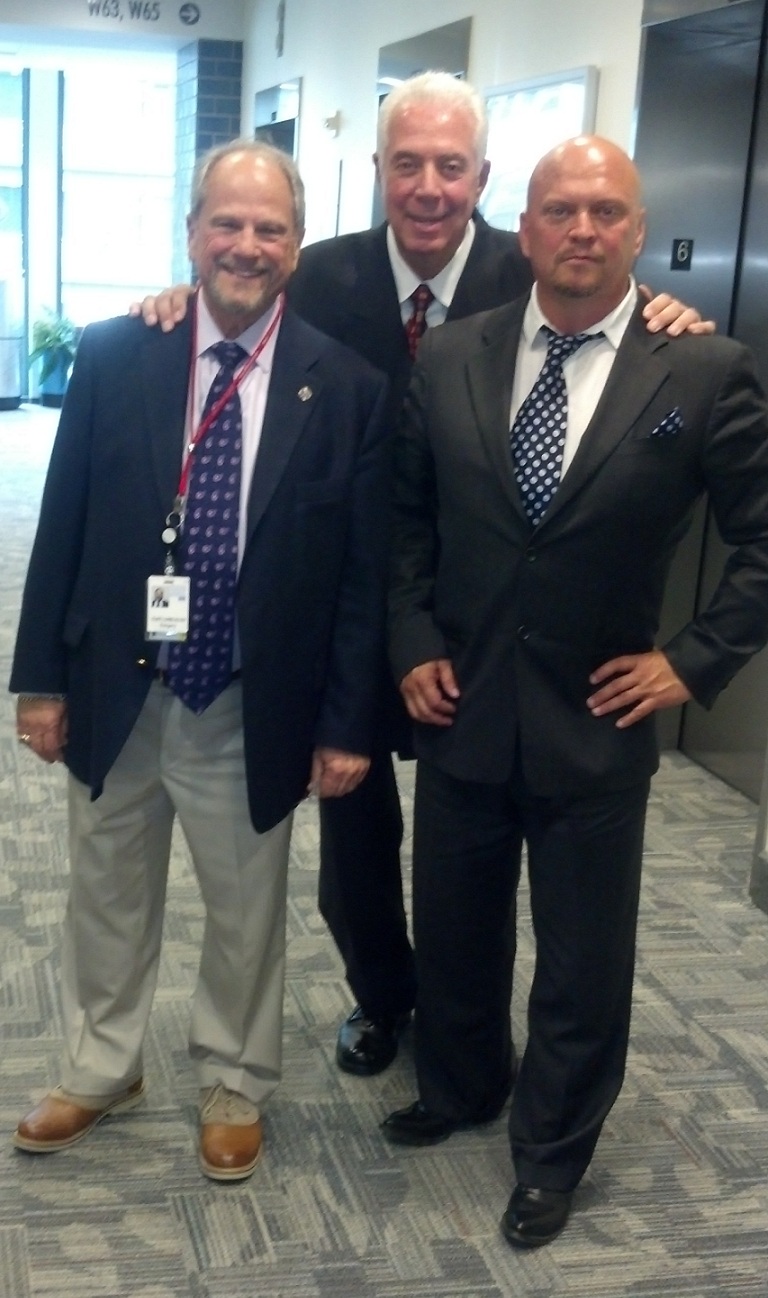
538	433
201	667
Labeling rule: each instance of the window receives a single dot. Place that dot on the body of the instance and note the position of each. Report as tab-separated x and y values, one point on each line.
118	186
11	159
525	120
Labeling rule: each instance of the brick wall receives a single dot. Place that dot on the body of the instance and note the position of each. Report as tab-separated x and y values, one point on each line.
208	93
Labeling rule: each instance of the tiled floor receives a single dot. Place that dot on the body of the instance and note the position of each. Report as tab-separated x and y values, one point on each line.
674	1206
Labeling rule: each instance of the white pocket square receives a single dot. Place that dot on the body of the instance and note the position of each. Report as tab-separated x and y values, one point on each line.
671	424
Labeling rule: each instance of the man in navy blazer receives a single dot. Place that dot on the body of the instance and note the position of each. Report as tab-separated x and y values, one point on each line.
523	634
431	167
295	710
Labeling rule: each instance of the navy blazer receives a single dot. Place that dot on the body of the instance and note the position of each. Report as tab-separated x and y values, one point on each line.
526	614
310	588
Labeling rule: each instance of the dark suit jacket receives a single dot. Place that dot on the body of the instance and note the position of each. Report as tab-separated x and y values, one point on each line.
345	287
526	614
310	590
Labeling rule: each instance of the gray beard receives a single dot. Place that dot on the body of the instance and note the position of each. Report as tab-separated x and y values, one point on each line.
573	291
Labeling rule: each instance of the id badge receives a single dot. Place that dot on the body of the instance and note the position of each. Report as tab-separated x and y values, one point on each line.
167	608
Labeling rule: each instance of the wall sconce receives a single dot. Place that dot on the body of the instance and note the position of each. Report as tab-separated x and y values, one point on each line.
333	123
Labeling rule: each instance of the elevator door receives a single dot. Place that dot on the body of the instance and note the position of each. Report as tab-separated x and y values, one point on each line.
694	141
731	739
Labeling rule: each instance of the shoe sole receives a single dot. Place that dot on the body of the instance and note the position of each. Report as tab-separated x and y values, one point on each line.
52	1146
364	1070
229	1173
517	1242
396	1138
417	1142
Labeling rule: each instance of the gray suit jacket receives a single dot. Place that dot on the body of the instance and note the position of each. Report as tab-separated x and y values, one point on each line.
526	614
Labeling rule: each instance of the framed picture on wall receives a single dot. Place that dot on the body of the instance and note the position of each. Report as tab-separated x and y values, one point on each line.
525	119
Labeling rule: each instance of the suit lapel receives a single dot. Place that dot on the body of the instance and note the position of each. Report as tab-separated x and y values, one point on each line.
490	371
164	363
637	373
165	380
294	390
464	301
374	295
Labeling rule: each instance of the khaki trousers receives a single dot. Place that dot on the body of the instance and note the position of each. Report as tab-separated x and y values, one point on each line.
174	764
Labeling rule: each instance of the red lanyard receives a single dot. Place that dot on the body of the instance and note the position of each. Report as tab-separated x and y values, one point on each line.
237	379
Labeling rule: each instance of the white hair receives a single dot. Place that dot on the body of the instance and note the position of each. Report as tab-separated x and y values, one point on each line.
442	89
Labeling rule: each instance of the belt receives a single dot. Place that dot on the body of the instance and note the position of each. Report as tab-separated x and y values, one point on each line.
160	674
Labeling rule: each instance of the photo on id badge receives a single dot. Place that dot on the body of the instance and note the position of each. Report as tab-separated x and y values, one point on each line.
167	608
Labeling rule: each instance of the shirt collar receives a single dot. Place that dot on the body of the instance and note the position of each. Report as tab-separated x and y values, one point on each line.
613	326
444	284
208	333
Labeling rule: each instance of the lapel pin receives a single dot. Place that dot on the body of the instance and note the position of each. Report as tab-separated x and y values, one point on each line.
305	394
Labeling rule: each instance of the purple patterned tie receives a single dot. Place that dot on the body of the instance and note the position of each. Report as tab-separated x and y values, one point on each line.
201	667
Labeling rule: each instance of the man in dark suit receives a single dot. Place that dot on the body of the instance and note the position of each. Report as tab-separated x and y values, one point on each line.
359	288
538	501
431	168
236	465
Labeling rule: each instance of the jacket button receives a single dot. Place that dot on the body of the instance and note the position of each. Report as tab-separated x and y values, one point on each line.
531	556
523	632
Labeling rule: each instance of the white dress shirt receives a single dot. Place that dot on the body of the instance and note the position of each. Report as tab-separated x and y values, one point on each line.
585	372
443	286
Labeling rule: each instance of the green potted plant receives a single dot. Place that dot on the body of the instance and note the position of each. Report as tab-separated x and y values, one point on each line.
54	342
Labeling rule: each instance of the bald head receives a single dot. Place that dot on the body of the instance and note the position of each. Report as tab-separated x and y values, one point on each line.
586	155
582	229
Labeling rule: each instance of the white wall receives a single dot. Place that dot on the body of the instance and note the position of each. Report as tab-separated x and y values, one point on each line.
334	44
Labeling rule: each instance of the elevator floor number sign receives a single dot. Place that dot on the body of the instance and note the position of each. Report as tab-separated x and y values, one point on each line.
682	254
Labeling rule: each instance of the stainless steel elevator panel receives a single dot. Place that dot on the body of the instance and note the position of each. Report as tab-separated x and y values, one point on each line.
692	147
664	11
694	140
731	739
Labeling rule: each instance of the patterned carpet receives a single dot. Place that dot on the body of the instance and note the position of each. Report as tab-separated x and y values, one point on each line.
674	1206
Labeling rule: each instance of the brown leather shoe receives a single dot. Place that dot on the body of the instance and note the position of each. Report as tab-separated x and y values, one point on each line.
231	1134
62	1119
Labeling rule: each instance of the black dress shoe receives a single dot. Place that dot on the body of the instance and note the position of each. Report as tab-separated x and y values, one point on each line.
418	1125
368	1046
535	1217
